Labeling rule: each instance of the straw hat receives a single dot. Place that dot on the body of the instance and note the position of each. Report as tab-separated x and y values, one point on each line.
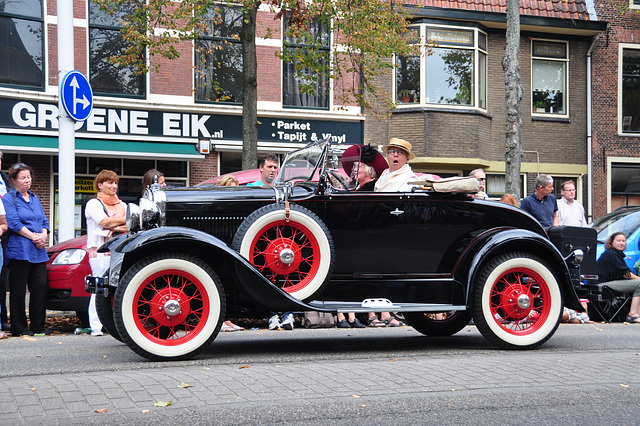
402	144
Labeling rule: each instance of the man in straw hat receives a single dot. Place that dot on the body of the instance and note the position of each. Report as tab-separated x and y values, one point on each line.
399	173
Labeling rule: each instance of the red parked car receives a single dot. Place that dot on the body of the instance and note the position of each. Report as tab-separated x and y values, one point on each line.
67	266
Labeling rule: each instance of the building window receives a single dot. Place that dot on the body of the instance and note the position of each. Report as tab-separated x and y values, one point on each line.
218	57
625	184
549	70
634	4
22	44
630	93
301	86
454	73
106	41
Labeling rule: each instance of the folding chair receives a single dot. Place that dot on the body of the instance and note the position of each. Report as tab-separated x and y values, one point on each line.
608	304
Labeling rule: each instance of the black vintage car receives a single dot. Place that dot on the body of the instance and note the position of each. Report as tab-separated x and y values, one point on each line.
197	255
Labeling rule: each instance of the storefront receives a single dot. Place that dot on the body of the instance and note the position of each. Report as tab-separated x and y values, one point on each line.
131	141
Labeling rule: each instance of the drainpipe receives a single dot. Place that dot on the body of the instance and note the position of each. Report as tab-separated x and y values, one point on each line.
594	17
589	133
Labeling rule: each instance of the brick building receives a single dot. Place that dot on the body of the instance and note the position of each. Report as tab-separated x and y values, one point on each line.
616	107
158	120
452	102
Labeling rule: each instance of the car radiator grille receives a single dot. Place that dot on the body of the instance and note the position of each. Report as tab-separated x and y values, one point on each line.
222	227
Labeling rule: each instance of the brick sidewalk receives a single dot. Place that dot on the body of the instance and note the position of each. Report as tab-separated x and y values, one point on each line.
73	398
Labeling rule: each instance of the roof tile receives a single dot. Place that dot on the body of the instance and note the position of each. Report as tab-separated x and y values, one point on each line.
564	9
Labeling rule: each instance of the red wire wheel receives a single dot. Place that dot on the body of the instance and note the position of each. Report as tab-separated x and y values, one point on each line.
169	306
518	302
293	249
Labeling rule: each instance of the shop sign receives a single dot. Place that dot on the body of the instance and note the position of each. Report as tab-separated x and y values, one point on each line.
85	186
140	124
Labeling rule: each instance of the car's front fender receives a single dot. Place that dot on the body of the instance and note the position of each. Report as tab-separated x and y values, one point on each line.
235	272
498	241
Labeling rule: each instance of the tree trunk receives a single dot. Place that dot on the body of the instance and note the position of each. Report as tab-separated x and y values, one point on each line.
249	87
513	96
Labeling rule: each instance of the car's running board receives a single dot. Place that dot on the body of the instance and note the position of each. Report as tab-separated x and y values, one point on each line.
385	307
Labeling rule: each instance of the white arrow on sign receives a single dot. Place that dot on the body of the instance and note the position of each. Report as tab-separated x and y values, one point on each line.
84	101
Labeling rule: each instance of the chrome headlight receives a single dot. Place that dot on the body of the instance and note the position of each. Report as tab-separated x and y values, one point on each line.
149	214
133	217
69	257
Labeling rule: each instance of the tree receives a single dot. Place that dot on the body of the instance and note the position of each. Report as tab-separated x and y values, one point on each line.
513	96
368	31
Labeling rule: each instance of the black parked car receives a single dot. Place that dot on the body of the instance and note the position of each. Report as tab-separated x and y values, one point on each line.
313	244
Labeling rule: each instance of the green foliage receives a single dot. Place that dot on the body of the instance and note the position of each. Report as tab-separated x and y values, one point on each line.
366	35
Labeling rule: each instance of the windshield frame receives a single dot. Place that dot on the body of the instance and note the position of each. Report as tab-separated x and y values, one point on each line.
293	167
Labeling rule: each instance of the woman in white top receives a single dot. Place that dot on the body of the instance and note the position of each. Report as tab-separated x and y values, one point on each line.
106	216
399	174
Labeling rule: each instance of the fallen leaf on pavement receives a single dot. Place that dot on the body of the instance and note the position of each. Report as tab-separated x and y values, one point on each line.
185	385
32	389
363	405
355	396
38	356
146	411
101	410
245	366
624	386
31	339
162	404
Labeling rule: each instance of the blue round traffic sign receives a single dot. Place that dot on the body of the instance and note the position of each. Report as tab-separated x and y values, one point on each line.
76	95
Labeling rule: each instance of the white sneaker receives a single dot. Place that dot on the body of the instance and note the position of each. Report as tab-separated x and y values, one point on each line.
287	321
97	333
274	322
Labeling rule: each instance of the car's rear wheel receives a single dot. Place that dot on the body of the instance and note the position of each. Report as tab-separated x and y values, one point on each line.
169	306
518	302
292	248
104	308
438	324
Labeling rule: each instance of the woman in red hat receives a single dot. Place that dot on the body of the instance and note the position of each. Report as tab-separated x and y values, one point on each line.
370	164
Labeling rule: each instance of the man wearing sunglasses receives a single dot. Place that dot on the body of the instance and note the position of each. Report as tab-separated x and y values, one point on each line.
482	182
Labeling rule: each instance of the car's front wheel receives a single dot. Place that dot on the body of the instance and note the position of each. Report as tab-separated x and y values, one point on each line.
518	302
438	324
169	306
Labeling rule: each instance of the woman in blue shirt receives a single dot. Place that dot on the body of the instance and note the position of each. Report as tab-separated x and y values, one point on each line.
26	252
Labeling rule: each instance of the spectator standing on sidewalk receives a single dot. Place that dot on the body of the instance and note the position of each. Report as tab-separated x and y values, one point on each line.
26	252
570	212
106	216
5	185
541	204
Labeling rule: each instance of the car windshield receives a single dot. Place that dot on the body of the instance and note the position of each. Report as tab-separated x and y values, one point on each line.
301	165
626	222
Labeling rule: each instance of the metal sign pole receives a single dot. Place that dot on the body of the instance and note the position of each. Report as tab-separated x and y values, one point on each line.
66	136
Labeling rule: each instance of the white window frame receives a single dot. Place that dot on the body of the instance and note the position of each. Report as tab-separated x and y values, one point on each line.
566	61
621	48
422	27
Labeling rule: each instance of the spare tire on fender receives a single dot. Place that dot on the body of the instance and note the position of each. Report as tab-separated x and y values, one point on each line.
291	247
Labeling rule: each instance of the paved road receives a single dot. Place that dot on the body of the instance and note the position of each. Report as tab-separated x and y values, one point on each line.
586	374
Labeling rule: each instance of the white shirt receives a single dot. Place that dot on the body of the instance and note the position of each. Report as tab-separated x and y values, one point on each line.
396	181
571	214
94	212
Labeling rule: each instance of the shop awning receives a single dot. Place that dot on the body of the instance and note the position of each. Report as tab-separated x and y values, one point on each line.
101	147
